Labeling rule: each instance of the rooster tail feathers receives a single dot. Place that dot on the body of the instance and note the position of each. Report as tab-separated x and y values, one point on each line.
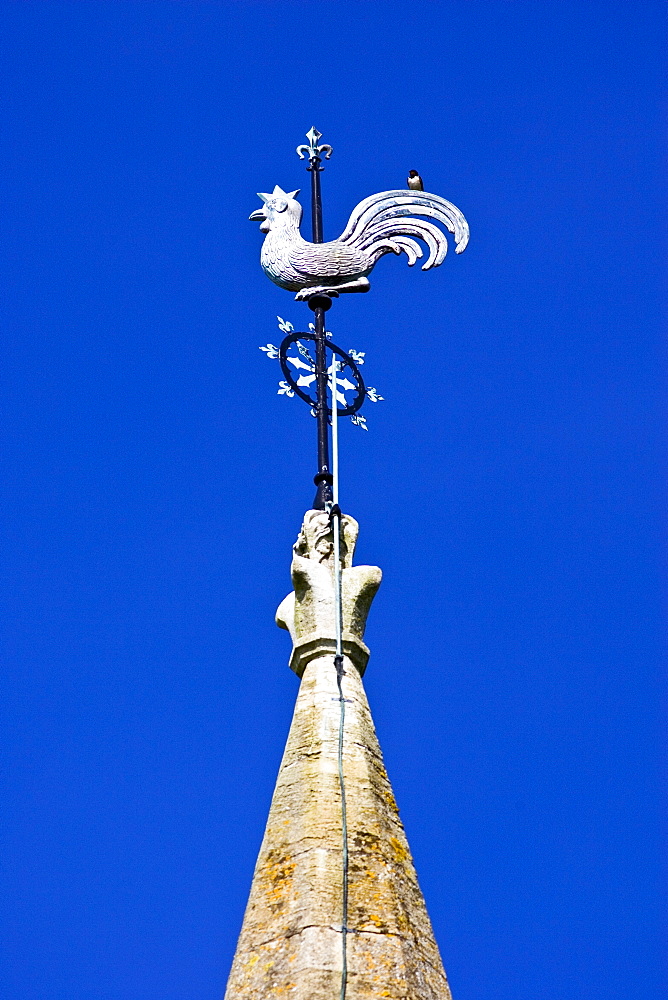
397	244
412	249
376	220
388	231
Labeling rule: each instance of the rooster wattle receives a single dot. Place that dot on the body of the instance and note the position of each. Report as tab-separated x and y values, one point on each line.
382	223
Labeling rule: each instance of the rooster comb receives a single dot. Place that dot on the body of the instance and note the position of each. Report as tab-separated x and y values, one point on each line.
278	192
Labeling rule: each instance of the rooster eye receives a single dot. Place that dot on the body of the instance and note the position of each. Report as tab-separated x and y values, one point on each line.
279	205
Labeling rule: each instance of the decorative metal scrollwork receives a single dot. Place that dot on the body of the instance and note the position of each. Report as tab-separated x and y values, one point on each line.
304	375
300	373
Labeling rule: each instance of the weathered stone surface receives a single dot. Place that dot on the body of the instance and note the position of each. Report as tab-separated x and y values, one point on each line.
290	943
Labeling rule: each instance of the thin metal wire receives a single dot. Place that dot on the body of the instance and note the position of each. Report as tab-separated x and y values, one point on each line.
335	432
338	662
344	832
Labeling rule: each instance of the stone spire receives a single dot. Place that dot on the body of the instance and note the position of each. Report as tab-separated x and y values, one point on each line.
290	947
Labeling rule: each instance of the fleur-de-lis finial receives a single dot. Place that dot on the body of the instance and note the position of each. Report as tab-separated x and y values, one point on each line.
313	150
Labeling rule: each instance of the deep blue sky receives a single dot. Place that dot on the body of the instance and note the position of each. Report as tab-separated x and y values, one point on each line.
153	482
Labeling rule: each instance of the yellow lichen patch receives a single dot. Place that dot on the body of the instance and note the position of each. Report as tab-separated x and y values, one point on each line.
369	959
376	922
283	988
401	853
364	878
390	800
277	875
362	840
252	961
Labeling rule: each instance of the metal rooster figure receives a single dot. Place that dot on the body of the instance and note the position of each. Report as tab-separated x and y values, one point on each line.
318	272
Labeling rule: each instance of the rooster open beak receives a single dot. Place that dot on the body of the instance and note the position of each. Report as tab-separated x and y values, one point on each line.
257	216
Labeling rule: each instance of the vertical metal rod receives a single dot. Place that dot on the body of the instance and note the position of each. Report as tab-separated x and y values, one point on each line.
316	199
320	305
323	478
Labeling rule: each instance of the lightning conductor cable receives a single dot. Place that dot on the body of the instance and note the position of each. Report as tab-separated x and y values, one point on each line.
338	662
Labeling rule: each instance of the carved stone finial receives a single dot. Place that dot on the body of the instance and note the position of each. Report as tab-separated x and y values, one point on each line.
316	541
308	612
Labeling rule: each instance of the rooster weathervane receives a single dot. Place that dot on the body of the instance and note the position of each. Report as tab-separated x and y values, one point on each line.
319	271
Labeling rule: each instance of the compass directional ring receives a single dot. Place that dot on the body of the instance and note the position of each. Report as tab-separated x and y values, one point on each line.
299	368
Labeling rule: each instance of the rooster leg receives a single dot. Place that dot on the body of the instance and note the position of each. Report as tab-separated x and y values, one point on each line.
357	285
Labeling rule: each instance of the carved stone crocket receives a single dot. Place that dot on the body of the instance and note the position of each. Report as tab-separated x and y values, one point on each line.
383	223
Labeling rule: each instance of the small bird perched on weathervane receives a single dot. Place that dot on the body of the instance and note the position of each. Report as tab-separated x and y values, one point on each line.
414	181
